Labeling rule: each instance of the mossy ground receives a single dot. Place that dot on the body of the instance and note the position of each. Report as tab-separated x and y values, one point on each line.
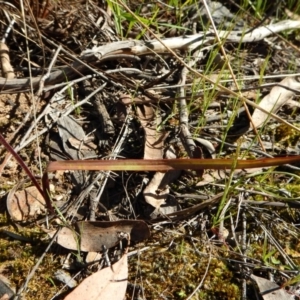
18	258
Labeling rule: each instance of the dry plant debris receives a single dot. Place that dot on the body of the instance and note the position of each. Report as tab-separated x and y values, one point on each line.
108	283
186	89
93	236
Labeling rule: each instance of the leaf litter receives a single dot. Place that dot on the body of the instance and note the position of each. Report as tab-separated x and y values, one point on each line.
84	113
92	236
108	283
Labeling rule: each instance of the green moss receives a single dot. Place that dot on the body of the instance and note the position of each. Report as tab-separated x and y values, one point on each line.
286	136
18	258
176	273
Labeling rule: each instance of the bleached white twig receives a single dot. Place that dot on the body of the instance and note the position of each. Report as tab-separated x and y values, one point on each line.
9	28
260	32
190	42
45	76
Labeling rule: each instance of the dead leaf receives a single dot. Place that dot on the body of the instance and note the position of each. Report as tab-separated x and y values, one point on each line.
154	138
152	194
70	131
278	96
155	193
24	204
106	284
92	236
270	290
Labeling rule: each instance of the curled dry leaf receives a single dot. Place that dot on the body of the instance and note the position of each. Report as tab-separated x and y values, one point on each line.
154	138
25	204
154	142
137	47
154	195
106	284
92	236
7	69
157	191
278	96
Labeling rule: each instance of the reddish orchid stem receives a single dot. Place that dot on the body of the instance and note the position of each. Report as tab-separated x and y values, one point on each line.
169	164
159	165
21	162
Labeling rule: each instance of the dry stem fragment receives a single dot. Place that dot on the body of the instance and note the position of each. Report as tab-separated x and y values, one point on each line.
7	69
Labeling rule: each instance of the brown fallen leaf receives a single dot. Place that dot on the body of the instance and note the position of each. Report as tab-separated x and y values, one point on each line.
106	284
92	236
155	194
154	138
152	194
25	204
